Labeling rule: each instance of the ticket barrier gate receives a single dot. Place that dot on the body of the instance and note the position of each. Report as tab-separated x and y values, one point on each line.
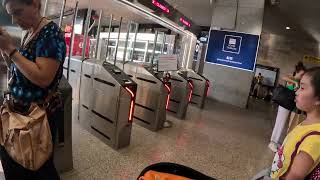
74	80
152	96
181	92
107	99
200	88
63	147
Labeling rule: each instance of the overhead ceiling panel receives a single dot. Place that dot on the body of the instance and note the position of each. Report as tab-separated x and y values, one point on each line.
198	11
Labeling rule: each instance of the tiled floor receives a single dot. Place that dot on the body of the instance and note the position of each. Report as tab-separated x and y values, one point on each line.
221	141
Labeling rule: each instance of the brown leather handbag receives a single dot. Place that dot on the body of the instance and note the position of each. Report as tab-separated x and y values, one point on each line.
26	137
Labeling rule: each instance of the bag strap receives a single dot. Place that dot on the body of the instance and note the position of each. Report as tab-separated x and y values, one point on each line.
294	154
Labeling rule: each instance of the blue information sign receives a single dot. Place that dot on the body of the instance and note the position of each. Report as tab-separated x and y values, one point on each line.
232	49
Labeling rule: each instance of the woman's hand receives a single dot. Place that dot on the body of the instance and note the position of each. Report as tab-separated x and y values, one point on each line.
6	42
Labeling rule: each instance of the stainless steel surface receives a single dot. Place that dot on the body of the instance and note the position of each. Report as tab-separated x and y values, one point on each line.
74	74
108	40
45	7
3	78
105	103
180	92
146	52
63	157
74	80
86	29
98	34
126	45
134	41
154	47
151	98
62	12
117	45
72	39
201	62
163	42
200	88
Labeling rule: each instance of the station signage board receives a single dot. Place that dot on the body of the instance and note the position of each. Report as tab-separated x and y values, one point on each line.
185	22
311	59
161	6
233	49
168	63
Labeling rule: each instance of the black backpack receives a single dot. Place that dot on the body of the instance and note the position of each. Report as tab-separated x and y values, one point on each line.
176	169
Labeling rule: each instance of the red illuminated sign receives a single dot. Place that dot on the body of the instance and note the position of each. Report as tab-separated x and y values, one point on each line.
161	6
185	22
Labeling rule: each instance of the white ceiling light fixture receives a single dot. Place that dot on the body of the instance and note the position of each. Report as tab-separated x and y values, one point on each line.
288	28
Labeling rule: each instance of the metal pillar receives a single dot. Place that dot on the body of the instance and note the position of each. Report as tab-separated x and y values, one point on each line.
75	14
62	12
45	8
108	40
134	41
125	46
98	33
154	48
86	30
115	54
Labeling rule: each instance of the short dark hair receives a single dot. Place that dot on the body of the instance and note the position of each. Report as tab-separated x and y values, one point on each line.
27	2
314	74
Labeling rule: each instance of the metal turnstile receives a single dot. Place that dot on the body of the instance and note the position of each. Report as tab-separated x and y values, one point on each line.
180	96
107	98
63	147
200	88
74	79
152	96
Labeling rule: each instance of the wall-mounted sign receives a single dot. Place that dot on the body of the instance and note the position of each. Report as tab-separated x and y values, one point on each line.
185	22
311	59
163	7
232	49
168	63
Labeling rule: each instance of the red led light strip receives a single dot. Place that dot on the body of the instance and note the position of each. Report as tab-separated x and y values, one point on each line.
131	104
168	97
161	6
190	95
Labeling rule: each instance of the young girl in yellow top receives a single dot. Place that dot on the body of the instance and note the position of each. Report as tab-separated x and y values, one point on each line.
300	153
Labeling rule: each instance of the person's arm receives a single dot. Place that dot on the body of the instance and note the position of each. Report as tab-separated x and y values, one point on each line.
290	80
41	73
49	56
300	168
